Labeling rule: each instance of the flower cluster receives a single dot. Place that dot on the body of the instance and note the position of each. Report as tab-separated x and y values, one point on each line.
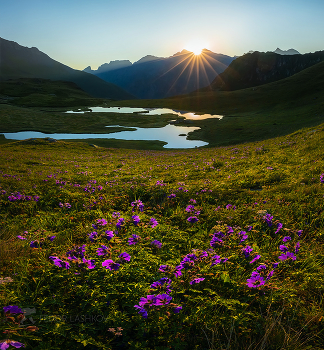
137	204
17	196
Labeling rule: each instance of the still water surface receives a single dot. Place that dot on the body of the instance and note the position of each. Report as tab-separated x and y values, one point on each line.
150	111
169	133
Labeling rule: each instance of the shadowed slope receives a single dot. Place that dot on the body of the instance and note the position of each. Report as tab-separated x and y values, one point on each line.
17	61
259	68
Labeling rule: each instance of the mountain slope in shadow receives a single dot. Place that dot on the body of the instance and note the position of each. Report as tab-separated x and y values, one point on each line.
17	61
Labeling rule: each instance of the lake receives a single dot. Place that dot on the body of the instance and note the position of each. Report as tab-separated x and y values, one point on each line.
169	133
150	111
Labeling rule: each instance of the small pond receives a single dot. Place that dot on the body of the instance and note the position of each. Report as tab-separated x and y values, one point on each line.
150	111
169	133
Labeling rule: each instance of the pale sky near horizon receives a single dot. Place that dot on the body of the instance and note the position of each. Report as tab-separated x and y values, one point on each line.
81	33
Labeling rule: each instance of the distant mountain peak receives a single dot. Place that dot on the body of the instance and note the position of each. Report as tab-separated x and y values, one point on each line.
183	52
286	52
148	58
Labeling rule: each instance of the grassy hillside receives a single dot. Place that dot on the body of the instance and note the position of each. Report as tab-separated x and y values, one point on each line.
44	92
226	243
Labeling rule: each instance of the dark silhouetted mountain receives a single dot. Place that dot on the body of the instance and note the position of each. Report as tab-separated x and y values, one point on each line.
17	61
257	68
155	77
287	52
147	58
112	65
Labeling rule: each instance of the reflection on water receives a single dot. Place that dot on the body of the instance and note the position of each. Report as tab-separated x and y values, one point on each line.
150	111
169	134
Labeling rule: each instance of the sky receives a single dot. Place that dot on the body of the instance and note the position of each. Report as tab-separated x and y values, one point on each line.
81	33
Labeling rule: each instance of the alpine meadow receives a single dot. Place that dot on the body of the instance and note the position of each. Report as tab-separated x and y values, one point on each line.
116	243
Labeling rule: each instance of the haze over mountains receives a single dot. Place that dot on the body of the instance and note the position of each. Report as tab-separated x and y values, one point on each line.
17	61
158	77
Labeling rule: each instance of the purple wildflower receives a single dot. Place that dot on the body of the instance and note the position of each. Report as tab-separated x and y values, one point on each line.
141	311
120	223
268	219
279	227
103	250
257	257
286	239
177	272
21	237
76	252
110	265
297	247
275	265
172	195
93	236
190	208
299	233
59	263
216	260
192	219
247	250
4	345
100	223
149	301
35	244
283	248
124	257
286	256
255	280
109	235
162	283
187	263
216	240
163	299
156	243
133	239
138	203
269	275
243	235
177	309
116	214
196	280
261	267
136	219
153	222
12	309
322	178
90	263
51	238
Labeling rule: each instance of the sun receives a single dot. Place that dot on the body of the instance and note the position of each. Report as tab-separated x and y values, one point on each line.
195	47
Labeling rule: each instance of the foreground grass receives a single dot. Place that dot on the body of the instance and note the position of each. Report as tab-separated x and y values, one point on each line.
65	188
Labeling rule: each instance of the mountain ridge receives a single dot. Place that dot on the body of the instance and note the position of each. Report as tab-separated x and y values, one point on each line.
17	61
258	68
159	77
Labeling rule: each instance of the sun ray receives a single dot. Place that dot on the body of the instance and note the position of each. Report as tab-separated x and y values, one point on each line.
194	67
